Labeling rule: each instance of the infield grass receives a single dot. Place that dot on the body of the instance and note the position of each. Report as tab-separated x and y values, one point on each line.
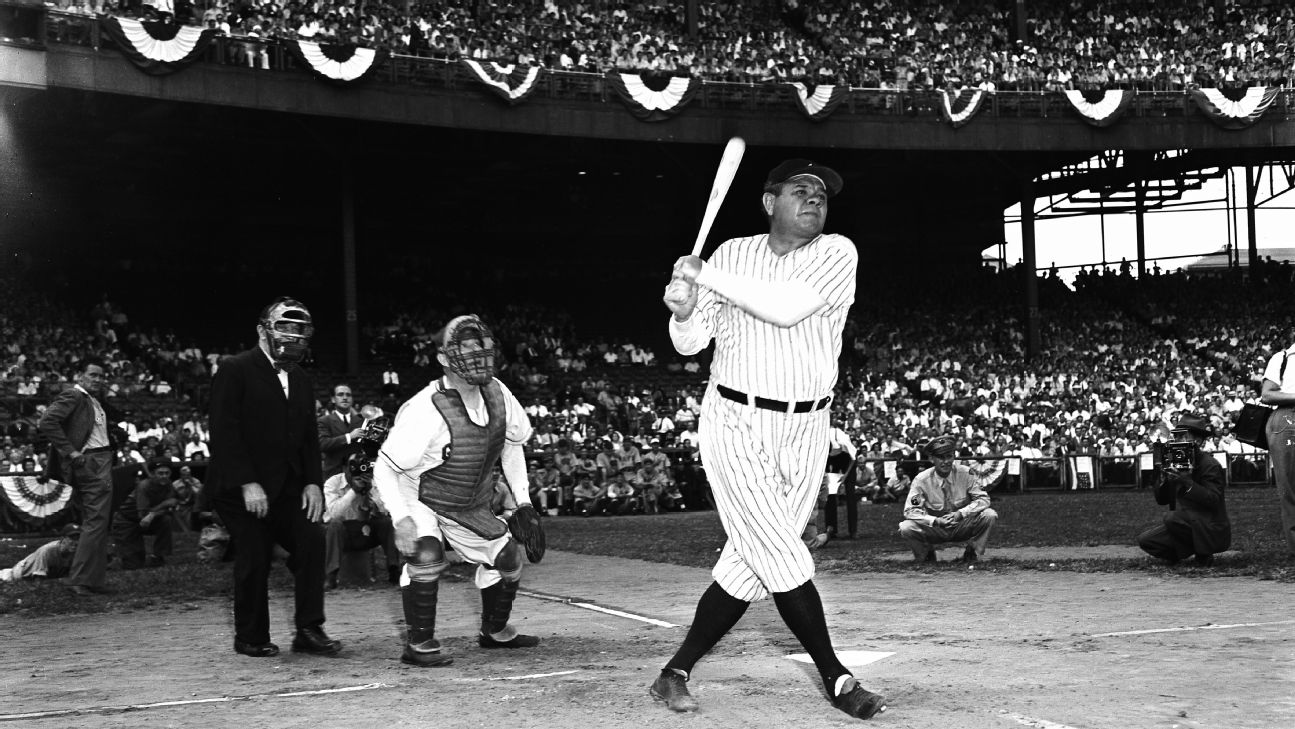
1072	519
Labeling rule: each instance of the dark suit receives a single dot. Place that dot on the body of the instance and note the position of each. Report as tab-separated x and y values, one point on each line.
259	435
332	440
1197	523
67	425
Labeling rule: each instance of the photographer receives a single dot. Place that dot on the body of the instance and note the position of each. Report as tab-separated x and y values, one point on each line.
354	521
1191	484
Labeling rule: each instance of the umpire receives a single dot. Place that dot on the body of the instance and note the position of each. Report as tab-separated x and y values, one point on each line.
265	476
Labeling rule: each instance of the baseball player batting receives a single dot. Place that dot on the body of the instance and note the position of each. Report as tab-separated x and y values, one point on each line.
775	305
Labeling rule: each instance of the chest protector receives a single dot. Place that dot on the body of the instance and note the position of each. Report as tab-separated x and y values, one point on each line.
461	488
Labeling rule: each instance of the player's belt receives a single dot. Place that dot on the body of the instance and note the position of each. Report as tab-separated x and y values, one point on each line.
764	403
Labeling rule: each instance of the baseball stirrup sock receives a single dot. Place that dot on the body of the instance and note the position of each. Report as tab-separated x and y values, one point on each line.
802	610
497	608
717	613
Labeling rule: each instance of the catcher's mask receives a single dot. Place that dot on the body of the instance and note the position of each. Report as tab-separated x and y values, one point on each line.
469	348
359	467
288	327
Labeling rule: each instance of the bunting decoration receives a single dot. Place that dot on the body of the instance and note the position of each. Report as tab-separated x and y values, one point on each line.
156	47
1100	108
341	63
958	110
819	103
34	502
988	473
653	98
511	83
1237	113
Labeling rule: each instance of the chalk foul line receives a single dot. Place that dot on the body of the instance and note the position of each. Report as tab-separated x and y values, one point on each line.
1188	628
1037	723
189	702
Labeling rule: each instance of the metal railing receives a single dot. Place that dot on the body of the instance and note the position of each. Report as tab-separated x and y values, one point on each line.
1103	472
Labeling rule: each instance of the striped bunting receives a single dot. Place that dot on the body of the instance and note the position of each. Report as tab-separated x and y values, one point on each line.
155	47
958	110
341	63
648	98
32	501
511	83
988	473
1105	110
820	103
1235	113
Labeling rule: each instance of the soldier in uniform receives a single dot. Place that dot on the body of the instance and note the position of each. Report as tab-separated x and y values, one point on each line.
435	476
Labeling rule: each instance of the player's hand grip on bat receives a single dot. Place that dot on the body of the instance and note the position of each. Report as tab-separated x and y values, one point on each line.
524	524
688	268
680	296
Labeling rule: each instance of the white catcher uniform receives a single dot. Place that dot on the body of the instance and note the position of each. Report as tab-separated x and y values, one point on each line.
418	441
766	467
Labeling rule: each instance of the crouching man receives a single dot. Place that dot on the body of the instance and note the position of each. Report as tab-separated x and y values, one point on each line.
946	505
354	521
435	475
1197	523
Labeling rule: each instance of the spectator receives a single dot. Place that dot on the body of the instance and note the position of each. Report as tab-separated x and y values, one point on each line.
619	493
339	431
194	447
390	383
587	498
946	505
655	489
81	451
148	510
50	561
187	491
1279	390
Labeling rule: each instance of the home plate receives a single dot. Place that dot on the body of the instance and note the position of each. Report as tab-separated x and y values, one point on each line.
847	658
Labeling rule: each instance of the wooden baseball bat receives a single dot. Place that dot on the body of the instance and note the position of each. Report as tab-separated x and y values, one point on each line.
728	165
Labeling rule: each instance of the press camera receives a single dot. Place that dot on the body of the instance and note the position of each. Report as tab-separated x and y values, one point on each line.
1179	453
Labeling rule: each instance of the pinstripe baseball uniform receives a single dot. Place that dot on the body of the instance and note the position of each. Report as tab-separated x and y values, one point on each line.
765	467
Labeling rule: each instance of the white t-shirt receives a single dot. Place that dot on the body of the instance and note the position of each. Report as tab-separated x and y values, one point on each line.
1273	370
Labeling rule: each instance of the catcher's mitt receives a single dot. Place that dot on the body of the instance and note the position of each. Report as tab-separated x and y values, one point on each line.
525	527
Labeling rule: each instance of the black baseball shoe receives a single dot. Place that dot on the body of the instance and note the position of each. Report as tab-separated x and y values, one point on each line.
256	650
969	554
314	641
672	688
857	701
426	654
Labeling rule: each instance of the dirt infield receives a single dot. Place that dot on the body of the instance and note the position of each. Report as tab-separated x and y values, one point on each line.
966	648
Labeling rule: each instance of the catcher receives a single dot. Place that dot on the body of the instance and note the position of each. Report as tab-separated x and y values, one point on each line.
435	475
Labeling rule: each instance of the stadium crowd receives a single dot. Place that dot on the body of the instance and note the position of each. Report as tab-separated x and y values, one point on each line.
925	44
1122	358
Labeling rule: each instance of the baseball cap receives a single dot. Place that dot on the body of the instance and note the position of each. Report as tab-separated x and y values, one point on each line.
940	446
1195	424
70	530
796	167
